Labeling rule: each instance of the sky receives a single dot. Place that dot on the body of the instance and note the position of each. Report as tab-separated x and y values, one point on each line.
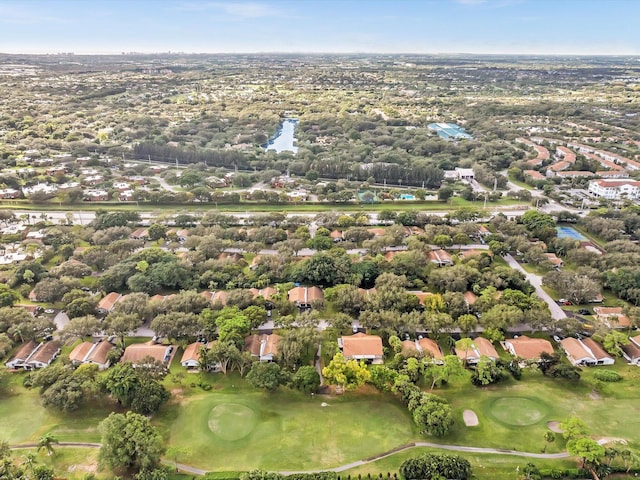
573	27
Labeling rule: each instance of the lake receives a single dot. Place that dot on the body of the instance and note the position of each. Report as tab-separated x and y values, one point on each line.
284	139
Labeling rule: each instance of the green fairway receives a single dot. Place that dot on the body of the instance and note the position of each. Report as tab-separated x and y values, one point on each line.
485	466
286	430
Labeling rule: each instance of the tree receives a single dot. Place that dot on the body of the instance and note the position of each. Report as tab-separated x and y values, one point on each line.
121	325
7	296
573	428
434	466
156	231
136	388
589	451
46	442
81	327
613	342
130	442
177	325
177	451
440	374
349	374
306	379
266	375
232	325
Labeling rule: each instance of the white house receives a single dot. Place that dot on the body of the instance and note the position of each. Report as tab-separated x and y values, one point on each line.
615	189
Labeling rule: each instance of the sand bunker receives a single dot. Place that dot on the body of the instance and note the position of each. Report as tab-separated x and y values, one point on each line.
470	418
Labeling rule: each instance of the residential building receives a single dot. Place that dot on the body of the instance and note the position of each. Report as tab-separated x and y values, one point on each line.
191	356
304	297
262	347
440	257
615	189
579	353
96	353
430	348
612	317
138	352
362	347
19	358
534	175
528	348
108	302
480	347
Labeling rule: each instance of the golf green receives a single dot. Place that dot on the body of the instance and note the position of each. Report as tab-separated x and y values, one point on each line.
232	421
519	411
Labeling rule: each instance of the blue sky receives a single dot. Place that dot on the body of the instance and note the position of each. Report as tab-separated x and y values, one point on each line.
384	26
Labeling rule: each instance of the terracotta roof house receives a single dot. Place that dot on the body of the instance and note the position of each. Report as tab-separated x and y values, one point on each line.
409	348
554	260
440	257
139	234
535	175
596	355
263	347
377	232
91	353
107	303
220	297
208	295
612	317
480	347
336	236
19	358
631	351
474	253
303	297
362	347
139	351
43	355
421	296
430	348
191	356
470	298
266	292
528	348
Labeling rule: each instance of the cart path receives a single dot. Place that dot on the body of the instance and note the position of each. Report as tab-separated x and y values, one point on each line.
455	448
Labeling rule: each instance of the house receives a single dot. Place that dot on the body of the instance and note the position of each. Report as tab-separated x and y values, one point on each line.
219	297
336	236
409	348
9	193
465	173
263	347
631	351
362	347
601	356
612	317
92	353
191	356
265	293
19	358
429	348
577	353
440	257
554	260
96	196
304	297
139	234
137	352
528	348
470	298
566	154
534	175
480	347
43	355
107	303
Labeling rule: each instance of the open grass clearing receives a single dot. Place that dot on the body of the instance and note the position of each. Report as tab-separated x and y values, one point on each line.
485	466
275	425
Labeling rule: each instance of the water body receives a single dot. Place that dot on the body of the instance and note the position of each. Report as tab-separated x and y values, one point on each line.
284	139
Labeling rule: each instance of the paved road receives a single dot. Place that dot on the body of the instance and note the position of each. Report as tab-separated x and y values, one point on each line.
536	280
61	319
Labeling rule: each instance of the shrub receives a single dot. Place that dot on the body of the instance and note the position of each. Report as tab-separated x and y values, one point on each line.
607	376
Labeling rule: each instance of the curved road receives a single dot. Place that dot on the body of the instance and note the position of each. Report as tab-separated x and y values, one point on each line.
342	468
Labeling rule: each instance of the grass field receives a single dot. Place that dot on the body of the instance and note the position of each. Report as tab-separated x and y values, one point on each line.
286	430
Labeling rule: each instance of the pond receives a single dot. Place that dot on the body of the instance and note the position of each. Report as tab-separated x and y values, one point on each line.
284	139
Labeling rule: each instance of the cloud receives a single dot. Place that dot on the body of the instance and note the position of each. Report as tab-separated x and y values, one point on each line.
235	9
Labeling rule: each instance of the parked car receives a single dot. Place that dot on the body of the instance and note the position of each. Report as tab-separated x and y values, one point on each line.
564	301
584	311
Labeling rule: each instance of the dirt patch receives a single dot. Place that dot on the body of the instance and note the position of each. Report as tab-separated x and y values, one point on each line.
554	427
177	395
593	395
470	418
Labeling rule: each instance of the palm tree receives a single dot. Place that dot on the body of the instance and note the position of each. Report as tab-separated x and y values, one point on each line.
549	437
46	441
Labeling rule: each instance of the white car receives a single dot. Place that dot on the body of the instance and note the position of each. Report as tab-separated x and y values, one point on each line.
49	310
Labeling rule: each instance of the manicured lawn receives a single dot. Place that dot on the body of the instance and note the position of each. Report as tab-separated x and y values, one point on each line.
485	467
73	463
285	430
514	415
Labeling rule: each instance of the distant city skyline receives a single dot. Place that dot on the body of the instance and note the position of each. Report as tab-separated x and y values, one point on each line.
545	27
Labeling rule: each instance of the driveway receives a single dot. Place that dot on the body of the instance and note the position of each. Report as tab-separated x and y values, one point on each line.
536	280
61	319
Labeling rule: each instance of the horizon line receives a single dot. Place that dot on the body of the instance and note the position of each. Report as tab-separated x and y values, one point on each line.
280	52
